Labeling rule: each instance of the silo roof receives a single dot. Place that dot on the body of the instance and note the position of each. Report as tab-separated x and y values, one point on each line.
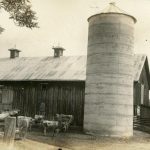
113	9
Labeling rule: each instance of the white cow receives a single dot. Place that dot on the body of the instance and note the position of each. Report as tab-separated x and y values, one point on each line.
23	124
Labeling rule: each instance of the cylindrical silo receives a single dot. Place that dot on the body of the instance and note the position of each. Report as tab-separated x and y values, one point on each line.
109	85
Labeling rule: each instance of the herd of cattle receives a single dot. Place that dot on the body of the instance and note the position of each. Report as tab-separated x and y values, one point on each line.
24	124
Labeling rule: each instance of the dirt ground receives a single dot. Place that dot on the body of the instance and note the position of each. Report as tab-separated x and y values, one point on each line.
74	141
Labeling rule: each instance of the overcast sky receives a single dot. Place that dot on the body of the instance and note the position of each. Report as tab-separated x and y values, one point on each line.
65	22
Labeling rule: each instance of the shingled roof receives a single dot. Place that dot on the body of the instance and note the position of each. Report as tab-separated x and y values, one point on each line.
66	68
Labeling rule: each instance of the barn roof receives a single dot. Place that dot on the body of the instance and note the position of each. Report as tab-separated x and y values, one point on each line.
139	61
66	68
43	68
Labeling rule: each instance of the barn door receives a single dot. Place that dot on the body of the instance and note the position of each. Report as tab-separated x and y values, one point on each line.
138	97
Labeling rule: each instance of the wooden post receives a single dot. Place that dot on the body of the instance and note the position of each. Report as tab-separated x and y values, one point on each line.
9	129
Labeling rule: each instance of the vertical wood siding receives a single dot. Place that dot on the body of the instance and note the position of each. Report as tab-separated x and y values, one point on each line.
6	98
137	89
137	93
59	97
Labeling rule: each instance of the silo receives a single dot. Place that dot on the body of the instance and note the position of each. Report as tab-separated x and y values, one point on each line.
109	85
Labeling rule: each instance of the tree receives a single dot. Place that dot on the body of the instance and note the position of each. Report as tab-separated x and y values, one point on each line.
20	12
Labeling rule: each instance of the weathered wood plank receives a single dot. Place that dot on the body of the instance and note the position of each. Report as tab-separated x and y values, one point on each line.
9	129
59	97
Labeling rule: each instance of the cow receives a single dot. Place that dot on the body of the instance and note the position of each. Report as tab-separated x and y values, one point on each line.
61	123
23	125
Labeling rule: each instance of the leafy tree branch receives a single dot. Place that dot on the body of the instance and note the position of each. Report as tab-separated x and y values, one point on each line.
20	12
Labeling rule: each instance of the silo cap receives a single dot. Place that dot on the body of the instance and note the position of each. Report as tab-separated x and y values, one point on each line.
113	9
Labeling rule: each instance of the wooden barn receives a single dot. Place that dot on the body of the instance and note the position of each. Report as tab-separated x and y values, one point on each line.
141	84
58	81
141	80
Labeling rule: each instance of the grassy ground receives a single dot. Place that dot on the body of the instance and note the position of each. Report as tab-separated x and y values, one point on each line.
74	141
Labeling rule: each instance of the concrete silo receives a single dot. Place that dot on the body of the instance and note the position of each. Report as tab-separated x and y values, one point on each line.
109	85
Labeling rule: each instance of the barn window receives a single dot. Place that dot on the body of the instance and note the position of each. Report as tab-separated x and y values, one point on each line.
142	93
0	96
1	87
44	86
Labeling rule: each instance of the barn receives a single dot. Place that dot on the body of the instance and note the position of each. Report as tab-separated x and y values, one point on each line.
141	85
59	82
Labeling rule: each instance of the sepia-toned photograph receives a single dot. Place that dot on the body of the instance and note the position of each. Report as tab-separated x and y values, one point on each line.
74	75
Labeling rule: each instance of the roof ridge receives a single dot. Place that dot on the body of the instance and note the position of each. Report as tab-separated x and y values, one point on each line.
42	57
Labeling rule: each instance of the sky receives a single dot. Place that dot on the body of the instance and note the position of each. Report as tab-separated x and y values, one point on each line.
64	23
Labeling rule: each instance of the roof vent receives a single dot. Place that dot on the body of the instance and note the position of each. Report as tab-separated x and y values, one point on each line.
58	51
14	52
